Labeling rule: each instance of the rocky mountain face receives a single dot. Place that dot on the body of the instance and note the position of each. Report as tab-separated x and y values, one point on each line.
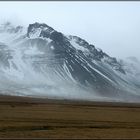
40	61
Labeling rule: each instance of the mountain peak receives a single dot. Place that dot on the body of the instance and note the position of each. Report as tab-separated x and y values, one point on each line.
37	29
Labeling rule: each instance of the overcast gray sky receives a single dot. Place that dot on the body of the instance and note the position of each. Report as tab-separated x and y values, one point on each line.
112	26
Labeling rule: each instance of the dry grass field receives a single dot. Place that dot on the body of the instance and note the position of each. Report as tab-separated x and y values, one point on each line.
22	117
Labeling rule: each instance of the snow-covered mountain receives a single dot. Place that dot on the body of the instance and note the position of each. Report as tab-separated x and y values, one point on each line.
42	62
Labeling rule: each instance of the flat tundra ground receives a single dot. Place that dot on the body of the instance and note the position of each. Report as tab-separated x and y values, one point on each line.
22	117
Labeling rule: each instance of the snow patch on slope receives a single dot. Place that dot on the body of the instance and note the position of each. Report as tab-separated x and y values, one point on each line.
77	46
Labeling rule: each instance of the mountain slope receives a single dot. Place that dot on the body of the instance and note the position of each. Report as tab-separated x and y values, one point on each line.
39	61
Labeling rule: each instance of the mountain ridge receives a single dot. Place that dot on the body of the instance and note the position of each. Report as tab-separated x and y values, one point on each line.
45	57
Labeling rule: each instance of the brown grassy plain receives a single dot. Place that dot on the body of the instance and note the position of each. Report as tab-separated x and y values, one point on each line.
22	117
